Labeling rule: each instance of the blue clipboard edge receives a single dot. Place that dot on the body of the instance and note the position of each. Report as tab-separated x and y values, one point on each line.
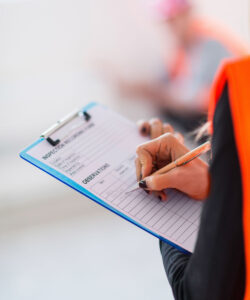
64	179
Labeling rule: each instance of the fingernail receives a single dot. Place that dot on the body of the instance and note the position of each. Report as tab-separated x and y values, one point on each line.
159	197
143	184
146	191
143	130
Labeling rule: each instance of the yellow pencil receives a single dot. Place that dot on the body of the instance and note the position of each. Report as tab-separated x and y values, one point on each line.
186	158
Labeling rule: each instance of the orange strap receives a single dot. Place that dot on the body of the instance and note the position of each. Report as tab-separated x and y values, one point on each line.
237	75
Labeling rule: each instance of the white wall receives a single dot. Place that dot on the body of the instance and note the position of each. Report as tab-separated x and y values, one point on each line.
231	13
37	35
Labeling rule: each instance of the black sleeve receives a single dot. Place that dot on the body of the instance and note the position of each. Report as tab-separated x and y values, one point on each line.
216	269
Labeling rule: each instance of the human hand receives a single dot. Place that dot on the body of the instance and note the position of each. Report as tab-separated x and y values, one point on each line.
155	127
192	178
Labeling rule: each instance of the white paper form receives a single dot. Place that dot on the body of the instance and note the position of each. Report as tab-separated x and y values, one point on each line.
99	155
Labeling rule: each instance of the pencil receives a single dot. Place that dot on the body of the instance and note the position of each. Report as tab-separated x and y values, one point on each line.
184	159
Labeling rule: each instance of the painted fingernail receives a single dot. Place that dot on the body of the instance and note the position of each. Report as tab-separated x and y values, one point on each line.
146	191
143	130
159	197
143	184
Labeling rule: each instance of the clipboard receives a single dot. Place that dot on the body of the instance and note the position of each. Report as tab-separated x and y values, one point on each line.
85	116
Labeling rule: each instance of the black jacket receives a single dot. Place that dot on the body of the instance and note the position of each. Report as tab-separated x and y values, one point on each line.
216	269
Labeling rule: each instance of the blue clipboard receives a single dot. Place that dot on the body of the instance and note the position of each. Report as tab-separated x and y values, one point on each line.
64	179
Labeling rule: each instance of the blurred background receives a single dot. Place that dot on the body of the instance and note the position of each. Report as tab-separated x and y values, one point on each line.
56	56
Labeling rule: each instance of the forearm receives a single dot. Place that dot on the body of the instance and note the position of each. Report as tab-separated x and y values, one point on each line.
175	263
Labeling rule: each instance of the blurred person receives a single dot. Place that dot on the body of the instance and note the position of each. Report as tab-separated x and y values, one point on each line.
219	268
181	93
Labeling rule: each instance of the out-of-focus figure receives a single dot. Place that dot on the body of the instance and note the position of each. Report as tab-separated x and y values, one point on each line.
181	92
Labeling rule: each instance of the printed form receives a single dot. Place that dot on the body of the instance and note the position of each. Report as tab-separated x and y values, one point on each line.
99	155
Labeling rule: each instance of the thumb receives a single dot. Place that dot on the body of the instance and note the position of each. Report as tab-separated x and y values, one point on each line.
162	181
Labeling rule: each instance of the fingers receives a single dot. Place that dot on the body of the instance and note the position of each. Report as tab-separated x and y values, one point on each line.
167	128
154	128
144	127
162	181
153	153
179	137
161	195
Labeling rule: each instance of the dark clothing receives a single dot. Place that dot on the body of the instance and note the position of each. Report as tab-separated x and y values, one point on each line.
216	269
187	123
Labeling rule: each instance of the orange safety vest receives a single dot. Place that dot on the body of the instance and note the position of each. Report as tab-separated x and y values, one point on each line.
237	74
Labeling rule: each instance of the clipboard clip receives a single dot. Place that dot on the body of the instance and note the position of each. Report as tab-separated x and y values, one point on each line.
46	135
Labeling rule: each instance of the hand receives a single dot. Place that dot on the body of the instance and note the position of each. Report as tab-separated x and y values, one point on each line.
192	178
155	127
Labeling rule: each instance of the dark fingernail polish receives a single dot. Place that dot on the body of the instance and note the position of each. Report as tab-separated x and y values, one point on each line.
143	130
143	184
146	191
159	197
